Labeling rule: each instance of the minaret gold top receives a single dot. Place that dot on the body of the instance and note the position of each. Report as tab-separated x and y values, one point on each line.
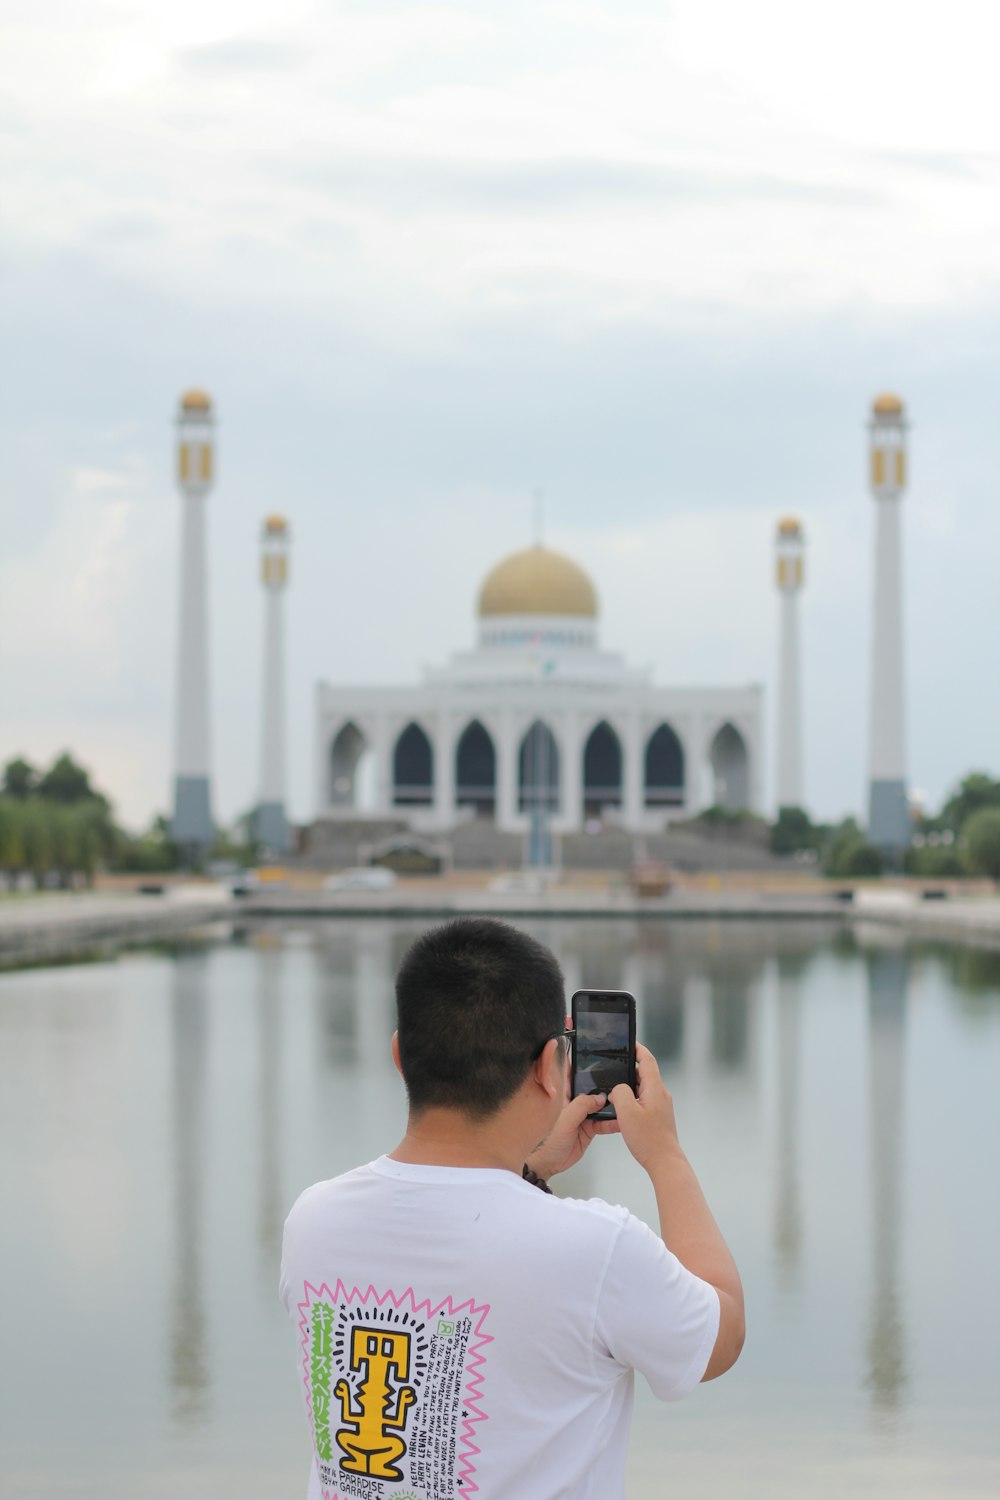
196	401
887	405
275	539
790	545
888	446
195	460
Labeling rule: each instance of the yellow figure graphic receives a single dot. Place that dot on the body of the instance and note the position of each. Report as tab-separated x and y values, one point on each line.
365	1437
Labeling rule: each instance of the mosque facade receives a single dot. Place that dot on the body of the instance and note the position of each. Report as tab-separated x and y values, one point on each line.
537	719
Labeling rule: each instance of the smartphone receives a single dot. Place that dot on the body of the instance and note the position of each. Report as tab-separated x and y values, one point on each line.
603	1044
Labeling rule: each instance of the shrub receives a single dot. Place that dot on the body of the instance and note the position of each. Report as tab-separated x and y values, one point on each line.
980	844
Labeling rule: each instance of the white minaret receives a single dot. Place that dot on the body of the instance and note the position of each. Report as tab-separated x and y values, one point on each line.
192	826
889	826
272	822
790	574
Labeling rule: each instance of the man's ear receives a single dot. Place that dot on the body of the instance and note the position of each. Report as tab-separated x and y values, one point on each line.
550	1068
395	1053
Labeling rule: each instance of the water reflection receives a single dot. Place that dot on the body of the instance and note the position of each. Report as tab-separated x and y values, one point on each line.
189	1377
888	973
730	1023
788	1207
271	1207
662	988
235	1075
336	956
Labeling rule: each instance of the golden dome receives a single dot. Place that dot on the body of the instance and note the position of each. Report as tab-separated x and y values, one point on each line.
789	526
275	525
887	405
195	400
537	582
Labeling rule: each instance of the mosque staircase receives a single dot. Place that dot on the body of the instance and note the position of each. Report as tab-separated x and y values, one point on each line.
335	843
479	845
340	843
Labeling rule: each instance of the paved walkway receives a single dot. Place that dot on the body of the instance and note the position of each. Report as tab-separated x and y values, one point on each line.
972	918
61	924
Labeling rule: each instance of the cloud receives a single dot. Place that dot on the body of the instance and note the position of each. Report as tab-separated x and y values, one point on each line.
83	666
425	267
405	184
241	54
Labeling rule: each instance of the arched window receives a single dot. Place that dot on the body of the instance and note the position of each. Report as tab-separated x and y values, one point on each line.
412	769
730	768
347	751
602	771
476	770
663	779
538	770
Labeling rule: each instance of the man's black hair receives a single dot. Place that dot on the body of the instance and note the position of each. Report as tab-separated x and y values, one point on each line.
474	1000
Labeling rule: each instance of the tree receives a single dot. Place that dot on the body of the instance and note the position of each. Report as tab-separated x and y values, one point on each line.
86	840
976	791
933	861
12	859
65	781
793	830
151	853
981	842
36	831
850	855
19	779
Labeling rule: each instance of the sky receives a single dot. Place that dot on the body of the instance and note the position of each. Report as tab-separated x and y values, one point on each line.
654	260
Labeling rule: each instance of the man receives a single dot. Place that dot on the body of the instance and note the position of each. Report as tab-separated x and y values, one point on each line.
461	1332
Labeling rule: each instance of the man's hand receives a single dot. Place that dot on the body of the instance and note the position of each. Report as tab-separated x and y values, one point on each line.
570	1136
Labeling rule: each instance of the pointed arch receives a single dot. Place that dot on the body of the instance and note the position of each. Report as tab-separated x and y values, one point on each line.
412	768
349	751
602	770
730	765
663	769
538	770
476	770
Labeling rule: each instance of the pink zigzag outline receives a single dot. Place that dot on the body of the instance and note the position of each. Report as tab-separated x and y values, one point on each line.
472	1375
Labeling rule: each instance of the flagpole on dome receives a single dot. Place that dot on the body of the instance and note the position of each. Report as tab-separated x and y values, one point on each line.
538	508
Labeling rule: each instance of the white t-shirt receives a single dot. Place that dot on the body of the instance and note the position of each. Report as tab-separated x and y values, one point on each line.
461	1333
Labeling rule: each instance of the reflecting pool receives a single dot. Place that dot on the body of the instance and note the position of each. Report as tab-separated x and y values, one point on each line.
838	1096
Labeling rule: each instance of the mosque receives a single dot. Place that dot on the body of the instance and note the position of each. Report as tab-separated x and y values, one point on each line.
537	730
536	720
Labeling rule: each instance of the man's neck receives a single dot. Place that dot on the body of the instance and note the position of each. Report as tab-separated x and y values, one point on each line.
447	1138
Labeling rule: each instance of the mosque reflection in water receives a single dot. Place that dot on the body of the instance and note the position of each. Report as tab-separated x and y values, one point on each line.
789	1050
700	993
189	1377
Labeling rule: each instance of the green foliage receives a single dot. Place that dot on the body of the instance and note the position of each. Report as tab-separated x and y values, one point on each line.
55	826
980	844
13	858
717	813
939	850
976	791
19	779
850	856
36	835
933	861
242	852
152	853
794	830
50	842
67	782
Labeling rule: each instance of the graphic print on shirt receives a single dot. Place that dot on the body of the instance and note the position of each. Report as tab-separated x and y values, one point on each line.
394	1390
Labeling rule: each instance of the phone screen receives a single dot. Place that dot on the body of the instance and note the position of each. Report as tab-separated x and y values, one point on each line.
603	1044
